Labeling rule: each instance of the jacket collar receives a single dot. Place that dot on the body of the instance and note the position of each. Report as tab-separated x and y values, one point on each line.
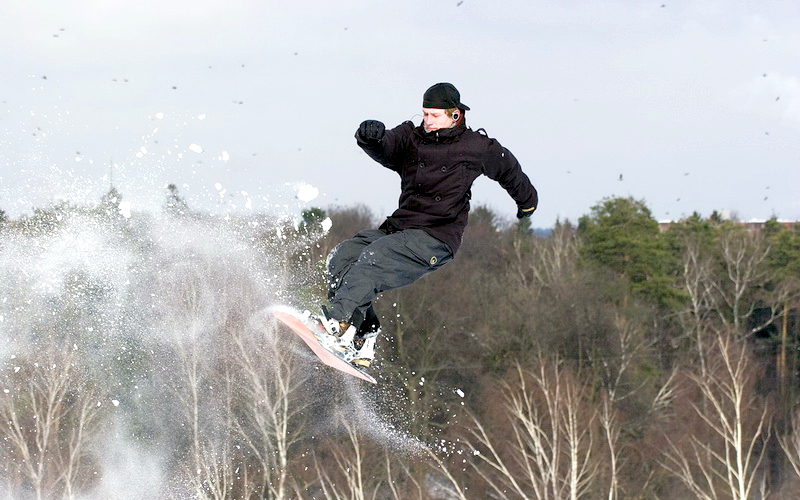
441	136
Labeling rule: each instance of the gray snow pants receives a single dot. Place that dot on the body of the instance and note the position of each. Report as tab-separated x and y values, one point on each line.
374	261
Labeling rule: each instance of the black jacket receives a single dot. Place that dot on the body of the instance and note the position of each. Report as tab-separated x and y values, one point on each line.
437	170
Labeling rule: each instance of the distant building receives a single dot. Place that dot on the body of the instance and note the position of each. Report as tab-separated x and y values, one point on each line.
752	226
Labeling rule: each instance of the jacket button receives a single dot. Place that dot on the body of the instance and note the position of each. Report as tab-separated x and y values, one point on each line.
444	169
437	198
421	164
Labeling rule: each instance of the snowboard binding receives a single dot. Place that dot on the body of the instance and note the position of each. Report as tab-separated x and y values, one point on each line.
353	346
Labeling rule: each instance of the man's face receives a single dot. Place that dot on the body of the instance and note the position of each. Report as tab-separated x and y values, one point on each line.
435	119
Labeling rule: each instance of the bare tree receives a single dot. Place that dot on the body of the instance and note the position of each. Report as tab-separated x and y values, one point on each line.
216	477
50	413
553	453
788	293
348	480
698	282
629	347
611	429
267	415
351	473
790	444
722	456
190	316
234	380
743	257
534	263
347	221
452	488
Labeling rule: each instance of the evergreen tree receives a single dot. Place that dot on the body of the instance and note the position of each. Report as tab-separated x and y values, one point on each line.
784	260
524	226
109	204
175	203
46	220
784	254
312	220
621	234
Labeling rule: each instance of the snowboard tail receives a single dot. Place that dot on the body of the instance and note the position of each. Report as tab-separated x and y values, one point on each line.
330	358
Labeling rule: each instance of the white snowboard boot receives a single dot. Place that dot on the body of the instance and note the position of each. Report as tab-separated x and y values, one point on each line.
363	357
337	335
356	349
341	336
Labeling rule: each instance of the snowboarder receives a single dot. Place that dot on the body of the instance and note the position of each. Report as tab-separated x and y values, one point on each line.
437	161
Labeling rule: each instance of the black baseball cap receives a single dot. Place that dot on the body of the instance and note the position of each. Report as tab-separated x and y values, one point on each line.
443	96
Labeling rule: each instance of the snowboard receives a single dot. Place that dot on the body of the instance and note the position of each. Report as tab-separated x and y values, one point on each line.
330	357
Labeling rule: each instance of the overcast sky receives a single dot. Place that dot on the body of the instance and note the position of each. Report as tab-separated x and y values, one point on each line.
688	105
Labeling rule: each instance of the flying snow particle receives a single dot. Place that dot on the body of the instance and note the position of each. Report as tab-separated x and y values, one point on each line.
194	147
202	117
225	156
460	393
327	224
307	192
160	115
115	402
218	186
125	209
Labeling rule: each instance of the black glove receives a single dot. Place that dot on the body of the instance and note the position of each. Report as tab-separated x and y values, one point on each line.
371	130
525	212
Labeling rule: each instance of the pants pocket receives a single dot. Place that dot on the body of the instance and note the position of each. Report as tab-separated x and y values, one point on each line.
427	249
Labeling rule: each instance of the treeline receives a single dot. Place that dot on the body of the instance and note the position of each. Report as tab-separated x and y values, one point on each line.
609	358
